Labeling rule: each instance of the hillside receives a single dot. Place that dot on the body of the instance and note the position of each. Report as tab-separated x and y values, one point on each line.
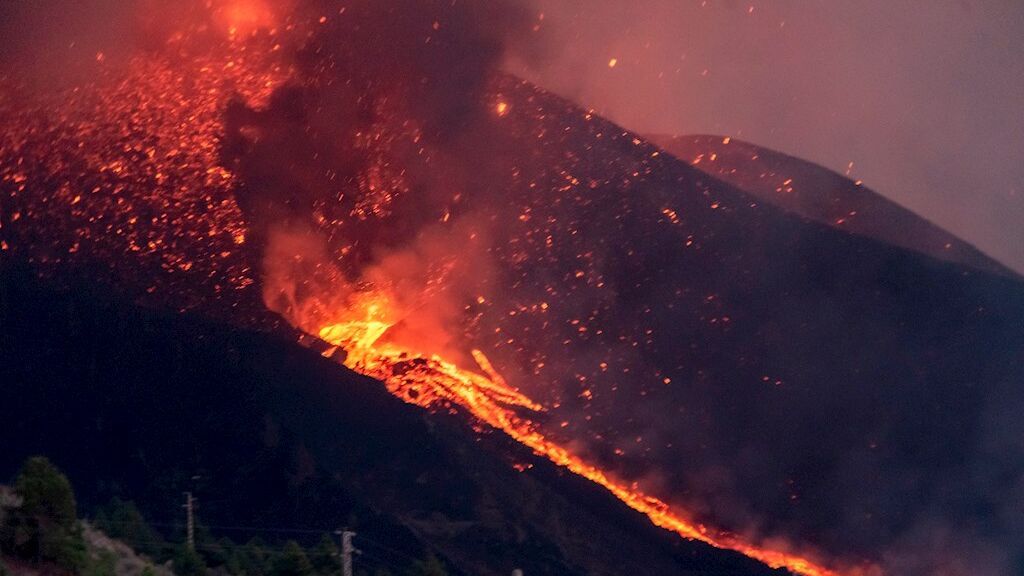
133	402
125	560
822	195
770	379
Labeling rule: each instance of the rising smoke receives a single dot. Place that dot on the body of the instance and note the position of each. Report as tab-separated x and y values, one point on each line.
384	170
364	171
387	166
922	100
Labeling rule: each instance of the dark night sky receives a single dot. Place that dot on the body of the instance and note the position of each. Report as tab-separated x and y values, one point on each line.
924	98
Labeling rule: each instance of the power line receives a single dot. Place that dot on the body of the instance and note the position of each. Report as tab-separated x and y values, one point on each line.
235	528
384	548
374	559
278	529
381	563
346	558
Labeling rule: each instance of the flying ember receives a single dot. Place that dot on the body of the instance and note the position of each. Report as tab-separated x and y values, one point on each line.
454	236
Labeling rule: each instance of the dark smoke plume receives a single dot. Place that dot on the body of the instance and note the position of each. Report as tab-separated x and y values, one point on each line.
766	374
403	78
386	131
385	158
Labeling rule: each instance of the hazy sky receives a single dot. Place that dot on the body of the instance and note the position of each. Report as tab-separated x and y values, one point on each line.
925	97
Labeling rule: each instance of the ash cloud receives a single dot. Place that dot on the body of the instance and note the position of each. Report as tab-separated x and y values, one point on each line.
386	137
52	44
923	100
48	43
372	167
350	178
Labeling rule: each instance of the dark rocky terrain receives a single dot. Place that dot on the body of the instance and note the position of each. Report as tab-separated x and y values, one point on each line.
822	195
850	387
133	402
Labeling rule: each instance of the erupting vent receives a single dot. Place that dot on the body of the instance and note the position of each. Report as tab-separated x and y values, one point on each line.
433	382
413	249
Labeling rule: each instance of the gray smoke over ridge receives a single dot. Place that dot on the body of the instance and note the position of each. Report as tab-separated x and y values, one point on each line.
387	163
922	99
50	44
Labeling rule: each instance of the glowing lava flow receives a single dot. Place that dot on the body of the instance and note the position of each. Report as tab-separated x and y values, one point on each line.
430	381
139	186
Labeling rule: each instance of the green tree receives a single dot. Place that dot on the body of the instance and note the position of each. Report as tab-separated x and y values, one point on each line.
188	563
252	559
44	527
122	520
46	492
230	557
213	551
429	567
292	561
324	557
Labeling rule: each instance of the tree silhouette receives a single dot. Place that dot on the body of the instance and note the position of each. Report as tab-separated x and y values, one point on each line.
429	567
44	527
325	558
292	561
188	563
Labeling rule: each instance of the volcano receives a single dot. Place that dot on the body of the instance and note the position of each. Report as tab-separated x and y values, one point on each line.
133	401
822	195
822	400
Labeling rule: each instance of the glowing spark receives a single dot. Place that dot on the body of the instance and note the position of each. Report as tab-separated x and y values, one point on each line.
430	381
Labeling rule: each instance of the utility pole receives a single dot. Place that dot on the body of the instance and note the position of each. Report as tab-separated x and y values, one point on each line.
347	550
191	520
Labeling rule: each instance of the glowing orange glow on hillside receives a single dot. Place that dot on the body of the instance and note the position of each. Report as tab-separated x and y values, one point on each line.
244	17
139	182
432	382
146	190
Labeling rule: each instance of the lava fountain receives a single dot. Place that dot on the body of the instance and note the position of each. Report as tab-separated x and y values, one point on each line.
175	197
433	382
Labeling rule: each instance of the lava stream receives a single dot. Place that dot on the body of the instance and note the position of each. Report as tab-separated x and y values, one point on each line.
429	381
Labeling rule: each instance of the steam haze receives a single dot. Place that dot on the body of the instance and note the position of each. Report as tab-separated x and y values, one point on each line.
806	391
923	98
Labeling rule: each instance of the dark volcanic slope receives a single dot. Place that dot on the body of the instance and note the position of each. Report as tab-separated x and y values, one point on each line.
767	372
759	367
132	403
822	195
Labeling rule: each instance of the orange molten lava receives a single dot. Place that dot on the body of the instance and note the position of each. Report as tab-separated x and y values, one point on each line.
243	17
430	381
147	144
